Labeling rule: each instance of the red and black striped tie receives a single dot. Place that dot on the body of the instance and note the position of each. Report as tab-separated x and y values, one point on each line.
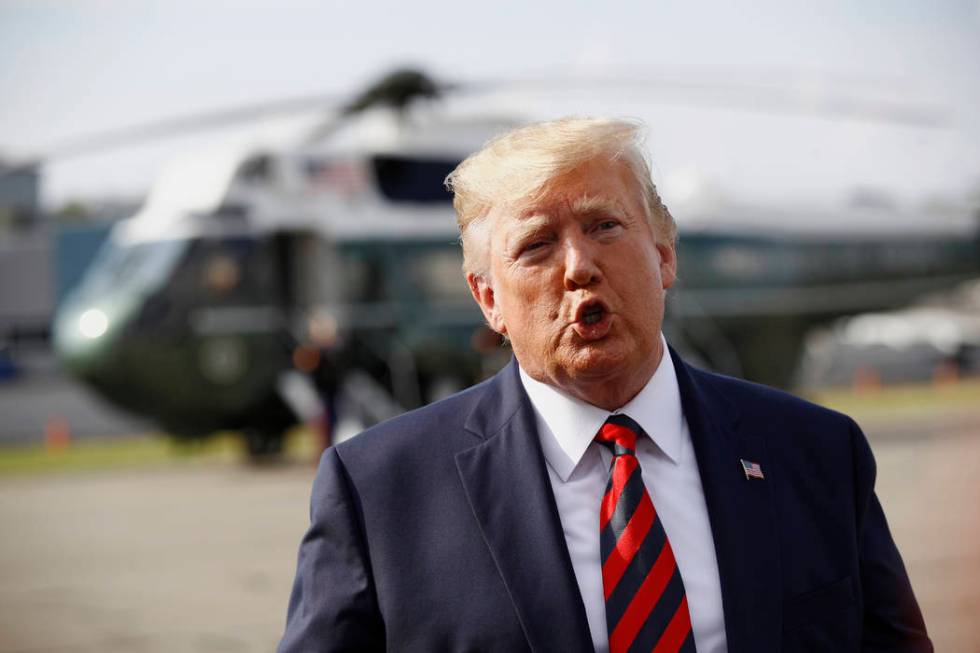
646	607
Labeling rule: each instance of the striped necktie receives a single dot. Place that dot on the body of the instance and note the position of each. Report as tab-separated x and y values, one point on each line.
646	607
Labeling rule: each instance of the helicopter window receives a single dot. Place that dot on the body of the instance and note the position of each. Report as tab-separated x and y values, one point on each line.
222	274
234	269
142	267
257	169
404	179
230	211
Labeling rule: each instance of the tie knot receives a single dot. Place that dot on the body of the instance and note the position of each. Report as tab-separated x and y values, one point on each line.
619	434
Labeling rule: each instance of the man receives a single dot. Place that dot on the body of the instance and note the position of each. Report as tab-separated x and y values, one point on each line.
598	493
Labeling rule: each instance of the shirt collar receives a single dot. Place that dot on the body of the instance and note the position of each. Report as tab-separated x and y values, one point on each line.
572	423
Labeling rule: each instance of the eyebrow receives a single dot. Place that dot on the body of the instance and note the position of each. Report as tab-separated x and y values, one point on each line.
528	226
593	204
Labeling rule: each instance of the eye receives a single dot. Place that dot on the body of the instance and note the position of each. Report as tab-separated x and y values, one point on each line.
606	226
534	248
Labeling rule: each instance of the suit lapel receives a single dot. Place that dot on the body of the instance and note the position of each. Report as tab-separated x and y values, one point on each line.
741	513
508	489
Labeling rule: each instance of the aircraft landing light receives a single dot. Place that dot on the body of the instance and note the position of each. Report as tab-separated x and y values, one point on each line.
93	323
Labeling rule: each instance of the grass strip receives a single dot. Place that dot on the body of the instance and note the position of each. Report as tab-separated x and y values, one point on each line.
148	450
899	401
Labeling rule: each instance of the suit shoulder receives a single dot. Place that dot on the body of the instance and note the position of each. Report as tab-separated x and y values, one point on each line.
437	424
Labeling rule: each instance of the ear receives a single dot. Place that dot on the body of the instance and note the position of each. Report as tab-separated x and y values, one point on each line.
482	292
668	263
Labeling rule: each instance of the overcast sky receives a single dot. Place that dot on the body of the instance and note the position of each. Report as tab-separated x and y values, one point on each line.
76	67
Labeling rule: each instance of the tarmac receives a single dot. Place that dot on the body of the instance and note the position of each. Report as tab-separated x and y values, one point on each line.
41	395
191	559
200	557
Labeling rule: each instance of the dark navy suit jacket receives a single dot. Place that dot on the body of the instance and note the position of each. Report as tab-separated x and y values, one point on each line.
438	531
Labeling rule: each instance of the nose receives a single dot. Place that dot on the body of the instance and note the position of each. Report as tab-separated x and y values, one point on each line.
581	268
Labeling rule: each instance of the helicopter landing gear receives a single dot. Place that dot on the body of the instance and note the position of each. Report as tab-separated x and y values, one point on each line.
263	447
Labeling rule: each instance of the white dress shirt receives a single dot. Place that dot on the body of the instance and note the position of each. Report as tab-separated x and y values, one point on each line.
578	470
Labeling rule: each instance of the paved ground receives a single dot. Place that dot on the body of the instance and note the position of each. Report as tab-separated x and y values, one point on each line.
43	393
930	489
196	559
200	558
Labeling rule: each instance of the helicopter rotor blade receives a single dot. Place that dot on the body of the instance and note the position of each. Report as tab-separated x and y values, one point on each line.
783	98
402	87
181	125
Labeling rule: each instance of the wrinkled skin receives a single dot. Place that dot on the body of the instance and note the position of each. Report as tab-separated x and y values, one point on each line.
586	243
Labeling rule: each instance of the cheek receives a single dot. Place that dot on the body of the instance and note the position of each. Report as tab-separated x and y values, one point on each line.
535	307
644	292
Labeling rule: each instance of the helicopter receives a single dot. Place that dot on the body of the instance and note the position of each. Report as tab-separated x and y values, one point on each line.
256	287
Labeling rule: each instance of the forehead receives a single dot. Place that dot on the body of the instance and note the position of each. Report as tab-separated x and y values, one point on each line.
594	187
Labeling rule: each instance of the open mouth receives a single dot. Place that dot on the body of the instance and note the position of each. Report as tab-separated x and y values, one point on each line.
592	321
592	313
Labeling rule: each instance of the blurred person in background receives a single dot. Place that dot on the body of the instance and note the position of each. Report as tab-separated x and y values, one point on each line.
598	493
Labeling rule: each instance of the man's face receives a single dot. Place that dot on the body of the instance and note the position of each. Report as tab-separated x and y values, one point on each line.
577	282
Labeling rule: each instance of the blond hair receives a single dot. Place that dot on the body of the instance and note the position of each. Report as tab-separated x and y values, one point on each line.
518	166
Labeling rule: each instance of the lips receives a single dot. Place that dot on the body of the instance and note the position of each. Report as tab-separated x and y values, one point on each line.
592	320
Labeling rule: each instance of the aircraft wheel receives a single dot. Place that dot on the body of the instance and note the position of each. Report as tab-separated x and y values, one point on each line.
263	446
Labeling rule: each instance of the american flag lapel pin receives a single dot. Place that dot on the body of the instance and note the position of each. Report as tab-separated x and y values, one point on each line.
751	469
